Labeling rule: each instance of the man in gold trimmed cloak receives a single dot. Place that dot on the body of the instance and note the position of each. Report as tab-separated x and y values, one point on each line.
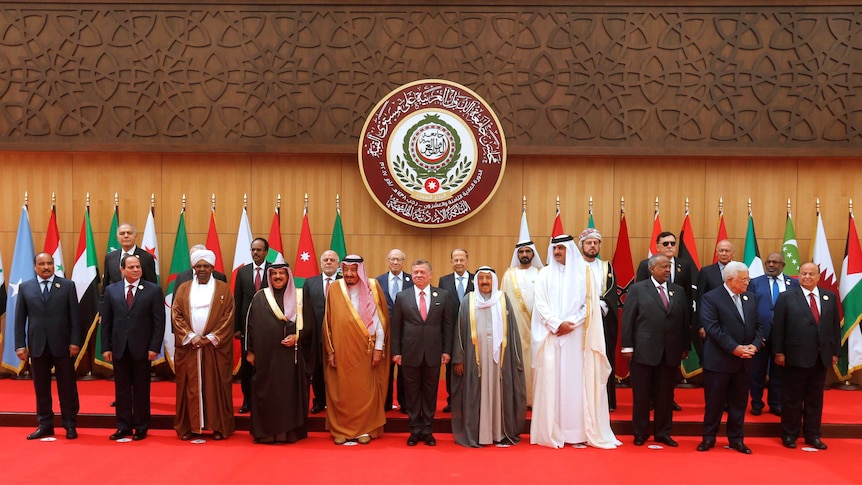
202	317
281	349
355	334
489	401
519	283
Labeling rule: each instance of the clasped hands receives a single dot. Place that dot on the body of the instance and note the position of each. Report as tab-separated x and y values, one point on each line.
745	351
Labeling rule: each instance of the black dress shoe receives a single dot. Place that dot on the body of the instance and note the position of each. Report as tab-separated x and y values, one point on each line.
639	441
666	440
120	433
788	442
429	440
113	404
71	433
740	447
139	434
447	409
705	445
41	432
413	439
243	409
317	408
816	443
756	411
676	407
775	411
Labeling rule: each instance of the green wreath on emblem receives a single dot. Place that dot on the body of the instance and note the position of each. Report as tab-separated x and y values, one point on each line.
413	175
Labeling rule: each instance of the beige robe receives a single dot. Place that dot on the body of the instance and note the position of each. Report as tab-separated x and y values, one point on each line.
522	304
208	380
355	390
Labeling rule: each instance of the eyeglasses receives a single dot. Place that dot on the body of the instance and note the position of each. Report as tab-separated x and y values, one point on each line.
668	243
395	260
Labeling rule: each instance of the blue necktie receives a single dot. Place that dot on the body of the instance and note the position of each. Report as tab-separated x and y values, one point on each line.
460	287
774	291
396	287
45	290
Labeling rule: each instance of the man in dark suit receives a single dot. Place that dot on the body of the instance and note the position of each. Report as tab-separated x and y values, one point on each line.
392	282
314	292
190	274
457	284
48	331
126	235
590	243
733	335
656	337
767	287
710	278
806	331
422	329
249	279
133	324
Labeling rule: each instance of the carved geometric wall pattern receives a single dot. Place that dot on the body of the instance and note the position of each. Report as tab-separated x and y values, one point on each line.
250	78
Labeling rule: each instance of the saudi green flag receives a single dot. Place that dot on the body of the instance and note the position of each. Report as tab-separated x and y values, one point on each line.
790	249
337	243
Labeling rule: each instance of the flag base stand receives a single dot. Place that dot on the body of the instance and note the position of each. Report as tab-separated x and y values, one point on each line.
685	384
846	386
155	377
89	376
623	383
24	376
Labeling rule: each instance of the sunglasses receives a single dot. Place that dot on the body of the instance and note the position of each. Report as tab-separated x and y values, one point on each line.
668	243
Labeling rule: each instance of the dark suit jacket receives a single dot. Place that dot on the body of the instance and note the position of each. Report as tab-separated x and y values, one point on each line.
139	328
189	275
612	299
314	301
243	292
653	332
383	279
725	329
762	289
684	275
418	341
447	283
112	267
54	324
795	334
708	279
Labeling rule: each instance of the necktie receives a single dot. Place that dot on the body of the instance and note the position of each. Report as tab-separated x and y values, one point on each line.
423	307
738	303
813	303
257	278
129	297
774	291
663	297
393	288
460	287
45	290
328	282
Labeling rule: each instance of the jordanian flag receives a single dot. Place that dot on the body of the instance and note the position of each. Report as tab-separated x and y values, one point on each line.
85	275
306	259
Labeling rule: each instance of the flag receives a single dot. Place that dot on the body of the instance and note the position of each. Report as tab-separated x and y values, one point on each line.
337	242
624	271
751	256
656	230
241	257
688	251
53	246
850	290
558	224
821	257
180	262
276	246
22	270
591	224
112	245
790	249
306	259
2	288
213	244
85	275
149	242
722	235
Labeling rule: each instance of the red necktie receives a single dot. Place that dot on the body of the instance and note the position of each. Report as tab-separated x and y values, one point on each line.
813	303
423	307
129	297
257	278
328	281
663	297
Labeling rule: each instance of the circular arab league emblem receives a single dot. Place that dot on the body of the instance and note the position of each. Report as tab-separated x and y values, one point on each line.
432	153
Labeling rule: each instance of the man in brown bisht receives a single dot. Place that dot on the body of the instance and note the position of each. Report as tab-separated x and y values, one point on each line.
202	317
355	334
281	349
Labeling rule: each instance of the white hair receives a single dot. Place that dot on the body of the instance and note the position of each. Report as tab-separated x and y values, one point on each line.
733	268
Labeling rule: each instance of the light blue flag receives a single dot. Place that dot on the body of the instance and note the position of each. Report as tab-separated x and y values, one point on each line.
22	270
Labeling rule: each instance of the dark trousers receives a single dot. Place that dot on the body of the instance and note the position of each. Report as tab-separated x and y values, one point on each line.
656	382
132	387
720	388
763	366
317	383
420	386
802	401
398	381
246	370
611	352
67	388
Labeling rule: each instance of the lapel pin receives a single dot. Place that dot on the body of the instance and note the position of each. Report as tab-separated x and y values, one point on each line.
670	293
56	285
140	287
434	294
745	297
825	297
